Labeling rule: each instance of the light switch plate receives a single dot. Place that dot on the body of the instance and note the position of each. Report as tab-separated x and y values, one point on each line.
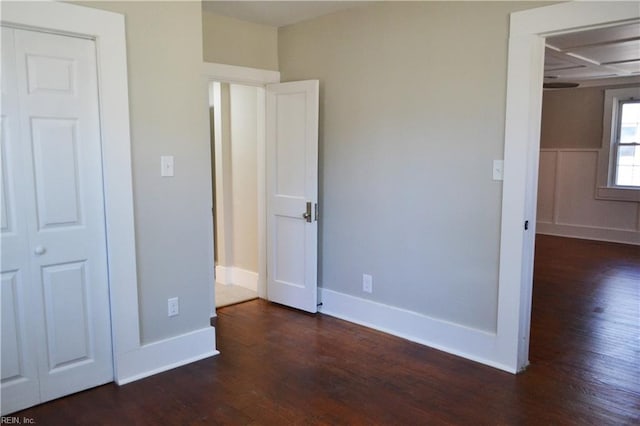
367	283
498	169
166	165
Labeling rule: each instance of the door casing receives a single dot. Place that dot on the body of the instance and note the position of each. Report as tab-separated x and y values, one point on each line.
232	74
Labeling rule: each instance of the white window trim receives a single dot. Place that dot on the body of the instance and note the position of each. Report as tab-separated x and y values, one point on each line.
606	189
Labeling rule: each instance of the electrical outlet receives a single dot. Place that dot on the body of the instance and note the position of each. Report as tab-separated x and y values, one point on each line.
367	283
173	305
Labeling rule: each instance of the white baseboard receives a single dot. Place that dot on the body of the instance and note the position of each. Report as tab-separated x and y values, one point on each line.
473	344
224	275
165	355
589	233
237	276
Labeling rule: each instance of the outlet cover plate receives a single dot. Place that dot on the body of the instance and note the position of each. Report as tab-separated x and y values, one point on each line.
367	283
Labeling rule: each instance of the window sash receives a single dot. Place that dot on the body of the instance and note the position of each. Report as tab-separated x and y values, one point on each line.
620	144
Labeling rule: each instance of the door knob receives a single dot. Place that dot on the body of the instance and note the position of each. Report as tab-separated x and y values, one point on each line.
39	250
307	215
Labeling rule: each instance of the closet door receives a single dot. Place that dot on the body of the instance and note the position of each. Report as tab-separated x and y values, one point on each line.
58	154
20	386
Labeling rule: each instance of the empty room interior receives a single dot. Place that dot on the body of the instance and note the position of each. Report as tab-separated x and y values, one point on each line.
320	212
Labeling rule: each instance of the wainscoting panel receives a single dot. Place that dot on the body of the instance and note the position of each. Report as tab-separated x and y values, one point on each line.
567	205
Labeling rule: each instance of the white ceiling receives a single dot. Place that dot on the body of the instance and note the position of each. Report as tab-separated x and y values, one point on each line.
611	52
277	13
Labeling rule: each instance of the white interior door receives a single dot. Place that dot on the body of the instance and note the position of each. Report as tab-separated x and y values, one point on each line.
292	193
20	385
55	292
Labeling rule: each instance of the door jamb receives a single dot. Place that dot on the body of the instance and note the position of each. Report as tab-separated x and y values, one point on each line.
528	30
223	73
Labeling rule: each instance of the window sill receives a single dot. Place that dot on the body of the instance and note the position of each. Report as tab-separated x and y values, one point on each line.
618	194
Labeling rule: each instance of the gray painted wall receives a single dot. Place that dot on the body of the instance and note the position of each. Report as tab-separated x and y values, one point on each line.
168	107
234	42
412	115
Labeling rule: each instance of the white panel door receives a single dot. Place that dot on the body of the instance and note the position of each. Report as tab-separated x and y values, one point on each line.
20	386
292	194
56	166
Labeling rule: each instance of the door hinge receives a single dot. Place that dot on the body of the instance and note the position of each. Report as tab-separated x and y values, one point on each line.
526	225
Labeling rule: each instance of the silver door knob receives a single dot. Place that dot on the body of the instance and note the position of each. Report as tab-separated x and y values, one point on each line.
39	250
307	215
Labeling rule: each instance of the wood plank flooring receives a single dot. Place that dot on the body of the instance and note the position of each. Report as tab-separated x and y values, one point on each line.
279	366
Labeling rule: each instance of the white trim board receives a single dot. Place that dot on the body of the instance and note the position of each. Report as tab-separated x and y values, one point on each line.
589	233
239	75
167	354
527	33
466	342
231	275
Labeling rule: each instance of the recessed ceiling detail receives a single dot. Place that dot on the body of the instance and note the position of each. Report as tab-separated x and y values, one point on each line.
594	54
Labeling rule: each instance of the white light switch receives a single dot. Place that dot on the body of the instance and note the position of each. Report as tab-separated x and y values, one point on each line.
166	165
498	169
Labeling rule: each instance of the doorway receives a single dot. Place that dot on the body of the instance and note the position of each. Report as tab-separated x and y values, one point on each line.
234	113
581	272
522	135
287	174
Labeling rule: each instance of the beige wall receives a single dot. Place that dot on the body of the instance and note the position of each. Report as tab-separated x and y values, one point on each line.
234	42
572	118
222	182
169	117
244	176
236	179
412	115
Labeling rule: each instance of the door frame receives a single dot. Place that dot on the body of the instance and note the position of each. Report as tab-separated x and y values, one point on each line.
107	29
528	30
232	74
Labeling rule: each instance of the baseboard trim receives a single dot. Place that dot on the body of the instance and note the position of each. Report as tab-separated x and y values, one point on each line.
237	276
589	233
156	357
473	344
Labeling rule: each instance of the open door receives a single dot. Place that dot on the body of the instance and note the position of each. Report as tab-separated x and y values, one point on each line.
292	193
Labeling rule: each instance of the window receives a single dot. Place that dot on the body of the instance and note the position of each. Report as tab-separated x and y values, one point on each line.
619	157
627	159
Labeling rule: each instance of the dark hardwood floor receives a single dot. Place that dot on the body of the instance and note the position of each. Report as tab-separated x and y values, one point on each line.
281	367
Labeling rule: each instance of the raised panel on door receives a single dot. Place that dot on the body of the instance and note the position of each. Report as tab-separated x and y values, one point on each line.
19	384
55	163
67	312
292	191
19	375
12	344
